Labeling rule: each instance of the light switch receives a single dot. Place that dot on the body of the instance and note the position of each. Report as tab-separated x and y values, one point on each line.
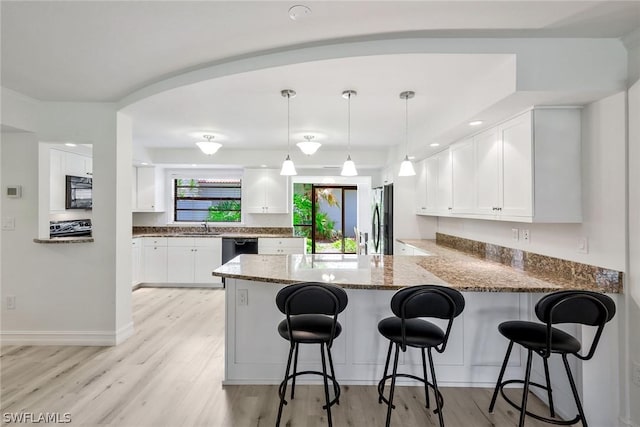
8	223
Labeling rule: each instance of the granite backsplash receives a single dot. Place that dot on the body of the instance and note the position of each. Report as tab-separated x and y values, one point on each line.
534	263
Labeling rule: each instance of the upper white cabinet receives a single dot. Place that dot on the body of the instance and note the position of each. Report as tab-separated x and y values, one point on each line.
462	177
265	191
149	186
62	163
526	169
421	188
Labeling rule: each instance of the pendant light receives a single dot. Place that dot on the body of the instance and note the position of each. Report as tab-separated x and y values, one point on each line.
208	147
288	167
406	167
349	168
308	147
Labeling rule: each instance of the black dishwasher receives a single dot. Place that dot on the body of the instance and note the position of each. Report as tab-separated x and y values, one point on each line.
232	247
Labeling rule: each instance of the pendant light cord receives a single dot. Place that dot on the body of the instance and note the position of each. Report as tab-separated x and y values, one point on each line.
349	126
406	125
288	124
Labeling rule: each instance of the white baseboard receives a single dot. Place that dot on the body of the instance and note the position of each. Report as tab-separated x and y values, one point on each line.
80	338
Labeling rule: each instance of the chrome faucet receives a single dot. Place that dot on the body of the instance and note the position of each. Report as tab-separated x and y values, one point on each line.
206	226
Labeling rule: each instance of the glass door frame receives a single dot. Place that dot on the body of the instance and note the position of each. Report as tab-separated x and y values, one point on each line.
342	208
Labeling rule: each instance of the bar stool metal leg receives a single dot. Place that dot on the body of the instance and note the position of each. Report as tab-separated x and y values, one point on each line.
284	390
504	367
393	385
525	391
549	392
426	382
295	369
326	385
435	389
574	390
336	387
384	376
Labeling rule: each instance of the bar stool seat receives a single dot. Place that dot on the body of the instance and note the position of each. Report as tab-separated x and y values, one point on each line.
533	336
418	333
309	329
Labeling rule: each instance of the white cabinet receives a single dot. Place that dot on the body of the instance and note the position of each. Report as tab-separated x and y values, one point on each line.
265	191
526	169
149	189
154	259
443	193
136	260
192	260
78	165
462	177
421	188
426	186
62	163
279	246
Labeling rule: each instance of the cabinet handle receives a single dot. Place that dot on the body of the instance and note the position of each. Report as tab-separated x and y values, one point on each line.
450	208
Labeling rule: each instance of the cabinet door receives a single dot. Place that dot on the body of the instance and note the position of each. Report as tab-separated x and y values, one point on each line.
146	189
444	183
206	259
75	164
155	264
421	188
253	196
57	180
136	259
431	173
462	177
276	190
487	160
517	183
180	264
134	188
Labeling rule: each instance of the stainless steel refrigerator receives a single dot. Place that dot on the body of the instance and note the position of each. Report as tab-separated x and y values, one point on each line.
382	220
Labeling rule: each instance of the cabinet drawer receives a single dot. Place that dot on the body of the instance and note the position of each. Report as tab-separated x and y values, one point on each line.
154	241
181	242
208	242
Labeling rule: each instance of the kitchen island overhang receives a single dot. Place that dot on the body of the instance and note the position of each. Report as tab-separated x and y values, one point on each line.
256	354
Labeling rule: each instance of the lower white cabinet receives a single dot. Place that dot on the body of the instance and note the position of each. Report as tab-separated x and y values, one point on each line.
136	261
279	246
154	259
192	260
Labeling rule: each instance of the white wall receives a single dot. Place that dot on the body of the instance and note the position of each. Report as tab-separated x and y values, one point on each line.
66	293
633	276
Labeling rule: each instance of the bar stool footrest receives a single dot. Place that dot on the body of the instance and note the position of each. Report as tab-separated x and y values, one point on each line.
413	377
531	414
336	385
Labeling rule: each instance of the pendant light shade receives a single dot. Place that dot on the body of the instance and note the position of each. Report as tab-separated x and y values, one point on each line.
208	147
406	167
288	168
349	167
308	147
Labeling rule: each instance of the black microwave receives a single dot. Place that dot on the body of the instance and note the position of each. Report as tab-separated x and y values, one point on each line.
78	192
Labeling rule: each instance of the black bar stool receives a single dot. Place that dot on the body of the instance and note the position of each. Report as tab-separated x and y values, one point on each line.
578	307
406	329
312	318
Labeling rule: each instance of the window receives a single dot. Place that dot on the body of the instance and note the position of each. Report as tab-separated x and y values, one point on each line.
214	200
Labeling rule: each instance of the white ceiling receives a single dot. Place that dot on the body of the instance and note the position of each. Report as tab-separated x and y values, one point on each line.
104	51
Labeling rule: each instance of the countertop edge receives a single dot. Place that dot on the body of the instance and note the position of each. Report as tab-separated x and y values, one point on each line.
63	240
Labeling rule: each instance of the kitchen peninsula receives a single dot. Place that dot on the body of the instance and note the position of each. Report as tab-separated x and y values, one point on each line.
494	292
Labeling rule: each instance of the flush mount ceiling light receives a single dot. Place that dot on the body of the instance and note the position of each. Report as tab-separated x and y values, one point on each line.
70	144
475	123
406	167
435	144
208	147
349	168
288	168
308	147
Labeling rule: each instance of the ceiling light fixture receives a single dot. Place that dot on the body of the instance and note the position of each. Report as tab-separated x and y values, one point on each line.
349	168
475	123
435	144
70	144
208	147
308	147
406	167
288	168
299	12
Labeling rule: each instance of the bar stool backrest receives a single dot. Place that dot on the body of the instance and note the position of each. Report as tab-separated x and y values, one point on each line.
579	307
311	298
427	301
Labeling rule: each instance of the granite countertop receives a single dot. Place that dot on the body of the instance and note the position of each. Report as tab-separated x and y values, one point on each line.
59	240
234	235
443	266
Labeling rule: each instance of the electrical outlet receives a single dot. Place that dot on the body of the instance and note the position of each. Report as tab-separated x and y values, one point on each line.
526	237
635	374
243	296
11	302
583	245
515	234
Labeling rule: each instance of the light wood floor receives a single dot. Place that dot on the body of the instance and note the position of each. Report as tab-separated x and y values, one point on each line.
169	374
